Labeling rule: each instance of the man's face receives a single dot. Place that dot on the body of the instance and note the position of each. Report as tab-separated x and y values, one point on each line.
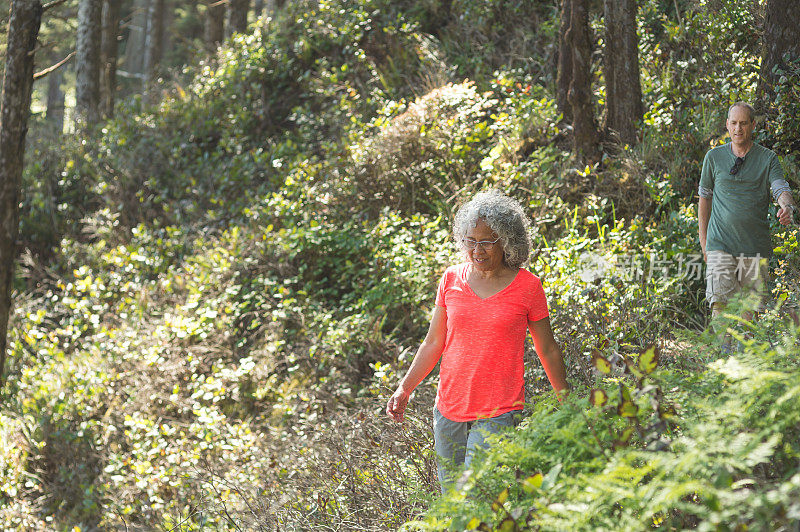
740	126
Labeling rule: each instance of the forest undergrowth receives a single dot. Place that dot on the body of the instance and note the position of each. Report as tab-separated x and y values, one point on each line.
230	284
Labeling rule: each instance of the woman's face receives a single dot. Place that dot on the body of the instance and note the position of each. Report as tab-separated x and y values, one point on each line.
481	258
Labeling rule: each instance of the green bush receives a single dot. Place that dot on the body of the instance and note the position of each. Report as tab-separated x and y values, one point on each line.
420	156
729	462
241	274
780	129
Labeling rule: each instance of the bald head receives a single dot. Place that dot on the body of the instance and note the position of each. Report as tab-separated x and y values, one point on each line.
741	125
746	106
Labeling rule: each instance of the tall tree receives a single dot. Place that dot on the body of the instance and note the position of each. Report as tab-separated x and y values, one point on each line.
55	100
236	17
215	23
23	30
57	36
564	75
781	38
258	7
154	47
108	56
584	126
621	61
137	39
87	69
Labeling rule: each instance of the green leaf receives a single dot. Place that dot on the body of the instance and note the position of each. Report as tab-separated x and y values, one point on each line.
551	477
624	393
648	359
627	409
503	497
666	412
598	397
532	483
473	524
633	366
507	525
600	362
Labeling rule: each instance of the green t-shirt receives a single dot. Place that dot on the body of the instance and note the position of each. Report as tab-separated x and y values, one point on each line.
739	204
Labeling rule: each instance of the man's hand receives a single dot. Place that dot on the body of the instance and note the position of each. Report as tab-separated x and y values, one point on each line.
786	215
396	406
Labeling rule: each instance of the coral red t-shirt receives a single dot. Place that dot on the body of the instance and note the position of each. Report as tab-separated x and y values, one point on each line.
482	370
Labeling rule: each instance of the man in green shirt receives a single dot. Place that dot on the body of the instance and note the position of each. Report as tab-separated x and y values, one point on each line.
737	184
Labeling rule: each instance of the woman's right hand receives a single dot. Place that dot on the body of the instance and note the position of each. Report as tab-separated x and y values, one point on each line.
396	406
424	361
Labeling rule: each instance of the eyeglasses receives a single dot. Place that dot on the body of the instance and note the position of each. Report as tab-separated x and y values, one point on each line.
486	245
737	165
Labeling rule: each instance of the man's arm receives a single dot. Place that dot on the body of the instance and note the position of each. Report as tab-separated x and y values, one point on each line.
786	212
781	192
703	216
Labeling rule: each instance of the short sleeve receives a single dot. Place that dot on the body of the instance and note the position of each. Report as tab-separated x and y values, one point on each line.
707	174
441	290
538	305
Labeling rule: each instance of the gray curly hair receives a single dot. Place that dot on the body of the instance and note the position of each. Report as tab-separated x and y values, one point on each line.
504	216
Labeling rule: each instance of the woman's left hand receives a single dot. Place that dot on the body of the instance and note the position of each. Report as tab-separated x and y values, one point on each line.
550	355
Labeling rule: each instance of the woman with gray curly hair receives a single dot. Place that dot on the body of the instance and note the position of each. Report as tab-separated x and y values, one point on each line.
484	308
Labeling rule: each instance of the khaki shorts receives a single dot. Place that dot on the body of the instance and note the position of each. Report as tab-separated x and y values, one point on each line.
727	276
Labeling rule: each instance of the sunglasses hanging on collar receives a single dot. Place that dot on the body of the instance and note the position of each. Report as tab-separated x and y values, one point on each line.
737	165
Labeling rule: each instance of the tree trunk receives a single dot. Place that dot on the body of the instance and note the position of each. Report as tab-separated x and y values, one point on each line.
55	100
564	76
23	29
154	44
237	17
621	60
215	24
584	127
167	24
137	36
108	56
87	70
258	7
781	37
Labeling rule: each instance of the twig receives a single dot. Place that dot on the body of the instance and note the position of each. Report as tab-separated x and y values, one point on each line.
221	499
48	70
50	5
185	519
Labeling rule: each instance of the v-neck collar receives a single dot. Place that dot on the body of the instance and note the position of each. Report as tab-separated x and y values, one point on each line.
466	282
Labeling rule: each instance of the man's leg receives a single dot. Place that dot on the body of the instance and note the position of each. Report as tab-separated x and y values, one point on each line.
483	427
450	443
721	284
753	276
721	280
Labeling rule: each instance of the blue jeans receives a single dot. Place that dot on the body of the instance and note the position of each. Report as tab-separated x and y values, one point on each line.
455	441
